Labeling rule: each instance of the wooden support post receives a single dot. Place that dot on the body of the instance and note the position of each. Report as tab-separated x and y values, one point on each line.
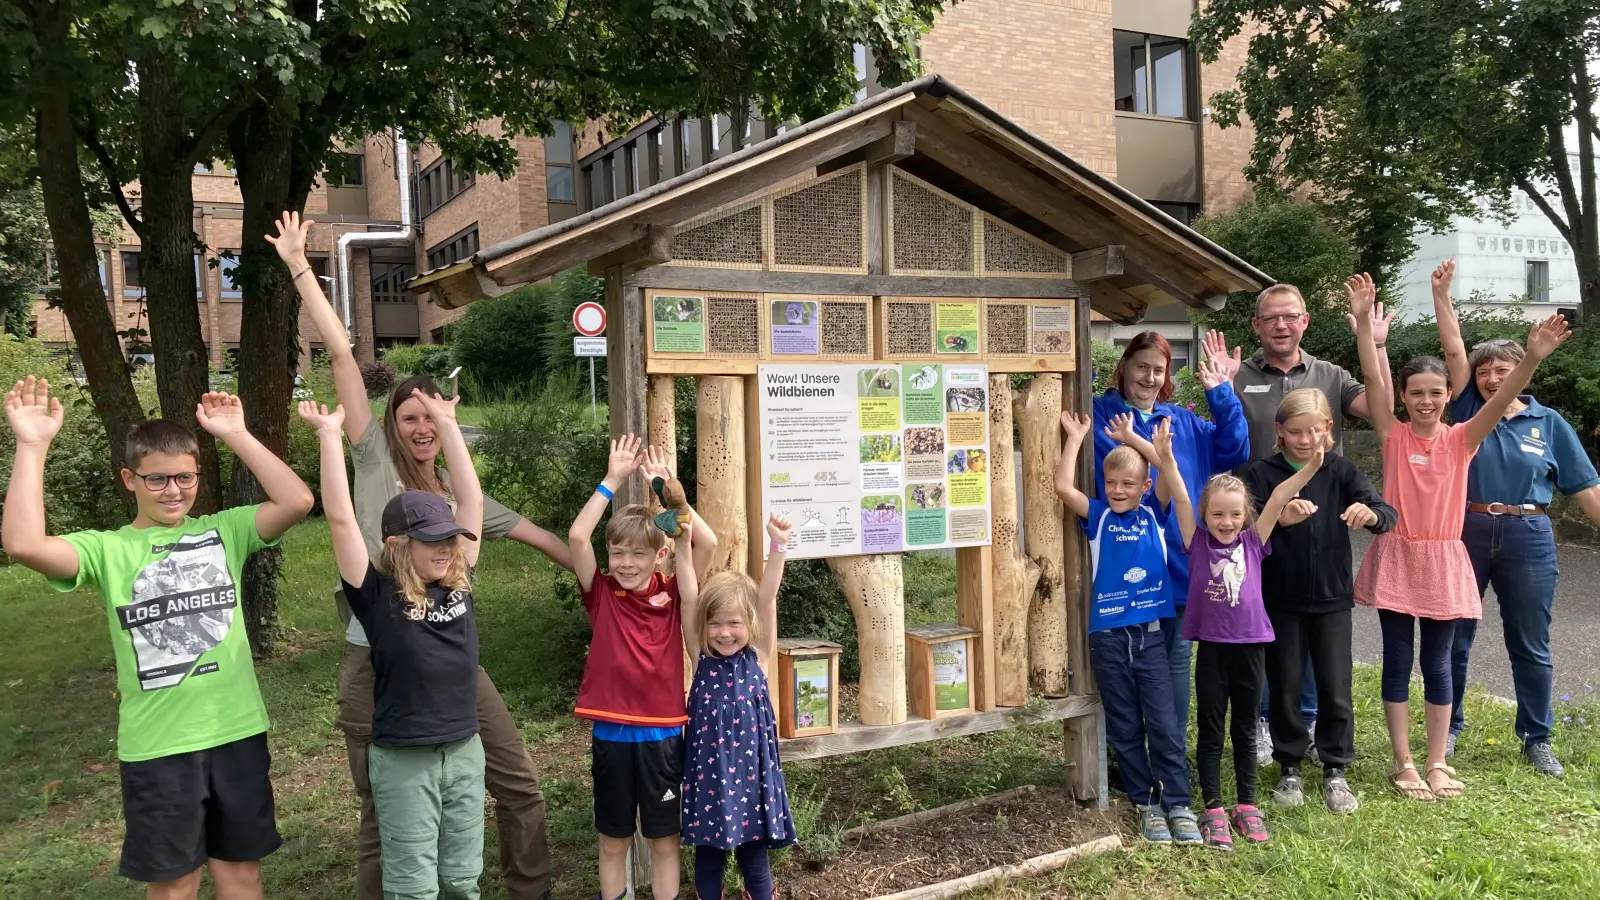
720	467
1084	744
661	408
1039	411
625	392
875	587
975	609
1101	262
754	515
1015	576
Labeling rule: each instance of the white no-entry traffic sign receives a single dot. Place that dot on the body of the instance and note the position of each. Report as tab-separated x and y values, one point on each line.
589	319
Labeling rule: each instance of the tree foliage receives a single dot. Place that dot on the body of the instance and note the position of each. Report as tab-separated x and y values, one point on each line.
1399	115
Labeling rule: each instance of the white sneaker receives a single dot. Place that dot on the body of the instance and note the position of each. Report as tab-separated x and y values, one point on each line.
1263	743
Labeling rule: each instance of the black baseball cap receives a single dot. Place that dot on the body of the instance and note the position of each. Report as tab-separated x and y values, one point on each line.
423	516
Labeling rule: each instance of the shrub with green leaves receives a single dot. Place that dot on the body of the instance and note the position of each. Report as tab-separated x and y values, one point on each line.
432	360
541	452
504	343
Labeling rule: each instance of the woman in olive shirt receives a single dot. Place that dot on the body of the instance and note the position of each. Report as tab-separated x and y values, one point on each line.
390	457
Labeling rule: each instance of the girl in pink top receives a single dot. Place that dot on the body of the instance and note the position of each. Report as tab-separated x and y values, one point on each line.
1418	576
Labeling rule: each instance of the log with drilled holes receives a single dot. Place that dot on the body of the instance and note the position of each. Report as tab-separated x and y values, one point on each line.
1039	419
1015	575
875	587
720	468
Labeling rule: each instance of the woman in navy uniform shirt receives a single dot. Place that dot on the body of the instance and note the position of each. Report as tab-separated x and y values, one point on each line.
1532	453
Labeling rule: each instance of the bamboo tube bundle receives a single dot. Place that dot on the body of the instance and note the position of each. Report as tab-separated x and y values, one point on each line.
1015	575
875	587
1039	415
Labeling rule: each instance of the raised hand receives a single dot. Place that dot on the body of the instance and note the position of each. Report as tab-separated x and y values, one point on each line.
778	530
291	237
1545	337
1315	462
1162	439
1076	425
1296	511
657	463
1121	428
1215	372
1380	322
439	409
35	416
319	418
1215	345
220	414
1442	275
625	457
1359	515
1361	292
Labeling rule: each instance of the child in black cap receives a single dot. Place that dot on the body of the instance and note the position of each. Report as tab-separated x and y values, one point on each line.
415	603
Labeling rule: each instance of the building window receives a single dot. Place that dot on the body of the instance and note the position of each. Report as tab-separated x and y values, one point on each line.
1538	281
440	183
228	272
52	271
558	164
347	170
389	282
1183	212
1152	74
230	357
455	248
132	275
437	335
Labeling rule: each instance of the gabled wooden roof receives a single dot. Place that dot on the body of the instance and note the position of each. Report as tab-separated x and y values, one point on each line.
961	146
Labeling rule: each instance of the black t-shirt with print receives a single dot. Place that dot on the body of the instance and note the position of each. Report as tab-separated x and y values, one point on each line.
426	687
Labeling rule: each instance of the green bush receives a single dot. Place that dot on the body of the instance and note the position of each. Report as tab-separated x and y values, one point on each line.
541	452
80	487
504	343
379	377
432	360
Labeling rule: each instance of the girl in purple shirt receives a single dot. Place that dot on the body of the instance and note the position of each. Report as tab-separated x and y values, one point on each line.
1227	619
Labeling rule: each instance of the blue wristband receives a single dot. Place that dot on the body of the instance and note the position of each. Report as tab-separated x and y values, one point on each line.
603	491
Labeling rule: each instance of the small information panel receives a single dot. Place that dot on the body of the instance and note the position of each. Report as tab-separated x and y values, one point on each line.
876	458
678	323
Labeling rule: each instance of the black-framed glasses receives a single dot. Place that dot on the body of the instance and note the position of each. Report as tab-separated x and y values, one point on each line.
157	481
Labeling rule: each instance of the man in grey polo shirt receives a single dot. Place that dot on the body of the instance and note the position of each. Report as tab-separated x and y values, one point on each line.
1262	381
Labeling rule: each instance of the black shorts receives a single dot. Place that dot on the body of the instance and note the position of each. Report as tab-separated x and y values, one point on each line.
646	778
184	808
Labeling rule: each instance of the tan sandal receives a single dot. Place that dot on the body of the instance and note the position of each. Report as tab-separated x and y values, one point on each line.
1450	788
1410	786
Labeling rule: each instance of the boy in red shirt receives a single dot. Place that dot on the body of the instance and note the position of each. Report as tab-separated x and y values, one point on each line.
633	681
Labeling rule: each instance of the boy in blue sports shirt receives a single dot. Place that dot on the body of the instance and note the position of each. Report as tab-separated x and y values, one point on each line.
1127	653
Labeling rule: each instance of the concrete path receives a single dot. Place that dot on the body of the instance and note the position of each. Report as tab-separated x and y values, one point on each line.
1575	631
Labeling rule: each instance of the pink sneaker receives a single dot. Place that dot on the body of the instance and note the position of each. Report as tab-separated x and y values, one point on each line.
1251	823
1214	830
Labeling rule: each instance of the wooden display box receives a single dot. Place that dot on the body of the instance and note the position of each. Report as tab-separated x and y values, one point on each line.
808	687
939	670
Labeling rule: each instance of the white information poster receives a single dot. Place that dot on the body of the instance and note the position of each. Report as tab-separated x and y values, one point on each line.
876	458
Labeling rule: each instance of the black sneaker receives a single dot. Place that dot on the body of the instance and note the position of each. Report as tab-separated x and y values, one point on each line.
1543	759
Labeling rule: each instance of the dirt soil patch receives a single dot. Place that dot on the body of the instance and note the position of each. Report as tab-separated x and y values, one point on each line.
962	843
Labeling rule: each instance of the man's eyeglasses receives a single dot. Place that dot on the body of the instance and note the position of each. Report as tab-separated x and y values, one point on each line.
1286	318
158	480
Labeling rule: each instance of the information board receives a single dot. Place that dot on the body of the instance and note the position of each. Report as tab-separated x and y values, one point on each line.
876	458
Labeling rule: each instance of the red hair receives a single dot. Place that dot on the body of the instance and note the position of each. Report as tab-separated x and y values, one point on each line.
1148	340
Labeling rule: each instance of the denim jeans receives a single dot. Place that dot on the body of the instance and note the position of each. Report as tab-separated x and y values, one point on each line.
1517	555
1179	652
1130	667
1308	696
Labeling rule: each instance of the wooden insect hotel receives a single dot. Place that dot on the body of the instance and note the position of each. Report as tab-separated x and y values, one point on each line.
853	298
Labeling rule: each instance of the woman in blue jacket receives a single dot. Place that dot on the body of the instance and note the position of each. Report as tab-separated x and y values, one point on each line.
1142	384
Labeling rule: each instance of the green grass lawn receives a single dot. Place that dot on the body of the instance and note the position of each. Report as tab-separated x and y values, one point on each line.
1515	834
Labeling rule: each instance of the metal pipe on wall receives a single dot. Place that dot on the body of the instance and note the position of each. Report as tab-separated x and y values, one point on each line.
343	285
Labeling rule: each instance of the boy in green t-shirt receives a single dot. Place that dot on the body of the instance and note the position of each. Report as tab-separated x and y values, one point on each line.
191	731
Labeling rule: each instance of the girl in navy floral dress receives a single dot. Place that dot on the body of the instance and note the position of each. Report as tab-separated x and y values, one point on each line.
733	793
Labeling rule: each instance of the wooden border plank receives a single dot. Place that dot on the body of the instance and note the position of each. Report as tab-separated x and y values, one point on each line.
856	738
975	608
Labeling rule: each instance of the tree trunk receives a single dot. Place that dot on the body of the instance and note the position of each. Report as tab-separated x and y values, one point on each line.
83	297
1015	575
1044	532
263	142
875	587
167	262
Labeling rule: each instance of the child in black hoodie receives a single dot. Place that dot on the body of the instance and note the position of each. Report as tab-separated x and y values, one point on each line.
1307	584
